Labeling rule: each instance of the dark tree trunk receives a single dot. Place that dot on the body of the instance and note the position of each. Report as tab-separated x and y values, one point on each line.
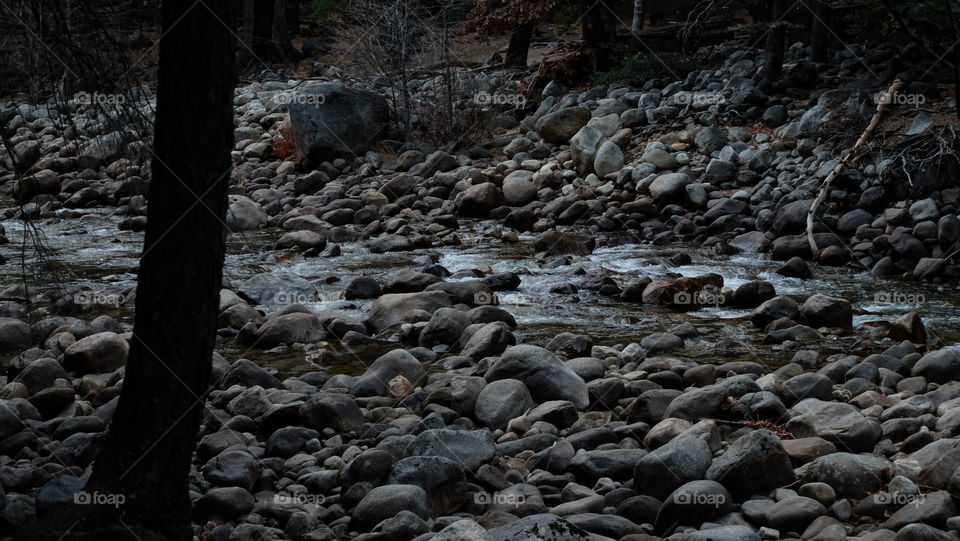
819	32
776	43
293	16
519	48
598	34
280	33
147	452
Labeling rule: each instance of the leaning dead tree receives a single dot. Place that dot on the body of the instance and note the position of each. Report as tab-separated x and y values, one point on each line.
885	102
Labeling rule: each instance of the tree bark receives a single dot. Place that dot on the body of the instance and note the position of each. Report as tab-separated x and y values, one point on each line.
519	48
637	25
776	43
819	32
280	33
148	449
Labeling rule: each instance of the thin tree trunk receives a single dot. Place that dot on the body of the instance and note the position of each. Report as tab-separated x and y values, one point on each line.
149	447
637	25
519	48
280	34
819	32
776	43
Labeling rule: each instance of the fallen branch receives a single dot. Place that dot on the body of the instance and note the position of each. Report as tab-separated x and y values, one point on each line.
885	102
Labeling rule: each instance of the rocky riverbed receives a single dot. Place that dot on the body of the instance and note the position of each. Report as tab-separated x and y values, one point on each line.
607	323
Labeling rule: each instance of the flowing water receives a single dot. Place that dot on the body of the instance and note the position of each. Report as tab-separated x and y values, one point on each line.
91	251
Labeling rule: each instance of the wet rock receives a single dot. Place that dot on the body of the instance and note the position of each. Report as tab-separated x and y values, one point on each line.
362	287
562	243
278	289
795	267
292	328
392	310
491	339
775	308
824	311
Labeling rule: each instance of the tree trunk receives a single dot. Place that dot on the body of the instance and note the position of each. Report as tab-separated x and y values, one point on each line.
280	33
519	48
637	25
598	34
293	17
776	43
819	32
149	447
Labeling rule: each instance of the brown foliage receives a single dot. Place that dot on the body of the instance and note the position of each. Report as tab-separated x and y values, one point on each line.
497	15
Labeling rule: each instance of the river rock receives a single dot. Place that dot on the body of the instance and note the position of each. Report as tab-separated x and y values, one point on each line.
836	422
559	126
244	214
756	463
545	527
392	310
471	448
333	410
387	501
480	199
375	380
542	372
583	148
332	120
441	478
97	353
666	468
500	401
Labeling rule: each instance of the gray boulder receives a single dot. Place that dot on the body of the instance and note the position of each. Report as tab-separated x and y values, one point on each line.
542	372
332	120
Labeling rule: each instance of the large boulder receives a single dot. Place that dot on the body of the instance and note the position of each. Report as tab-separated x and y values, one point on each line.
836	422
755	463
297	327
332	120
14	334
480	199
545	527
501	401
387	501
583	147
471	448
559	126
670	188
244	214
824	311
680	461
609	159
391	310
939	366
375	381
277	289
545	375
